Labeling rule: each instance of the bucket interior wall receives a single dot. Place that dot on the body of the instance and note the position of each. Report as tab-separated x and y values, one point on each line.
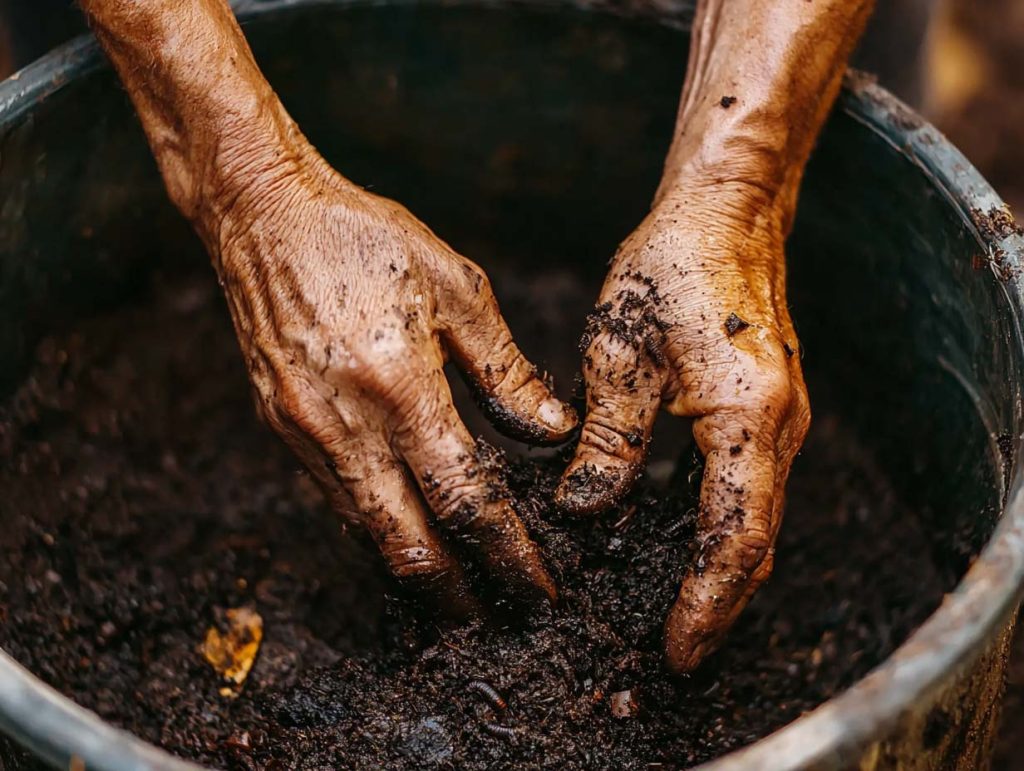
532	140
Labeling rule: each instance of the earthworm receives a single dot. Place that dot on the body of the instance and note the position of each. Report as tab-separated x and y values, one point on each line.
497	729
487	691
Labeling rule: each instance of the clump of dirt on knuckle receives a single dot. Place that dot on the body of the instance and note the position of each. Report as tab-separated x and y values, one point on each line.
588	483
143	501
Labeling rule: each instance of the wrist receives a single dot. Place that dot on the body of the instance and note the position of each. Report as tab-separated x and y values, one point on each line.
761	79
741	139
741	190
258	222
214	123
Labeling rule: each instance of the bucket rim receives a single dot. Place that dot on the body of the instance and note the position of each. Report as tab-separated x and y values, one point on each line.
832	735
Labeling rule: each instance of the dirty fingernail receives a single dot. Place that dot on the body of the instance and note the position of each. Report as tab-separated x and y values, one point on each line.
587	488
557	415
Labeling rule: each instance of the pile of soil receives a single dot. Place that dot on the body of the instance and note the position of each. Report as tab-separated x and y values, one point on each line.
143	501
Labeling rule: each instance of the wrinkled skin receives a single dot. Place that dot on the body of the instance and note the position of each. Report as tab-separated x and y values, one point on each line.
693	315
347	307
707	336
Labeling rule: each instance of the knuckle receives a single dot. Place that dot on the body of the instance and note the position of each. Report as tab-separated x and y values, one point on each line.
417	411
361	369
750	549
717	432
602	347
773	385
388	377
764	569
298	410
301	340
457	496
294	401
471	287
374	377
459	506
511	371
801	414
602	433
612	363
771	392
476	279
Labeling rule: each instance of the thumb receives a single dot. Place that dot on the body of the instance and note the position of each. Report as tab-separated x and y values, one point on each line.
507	386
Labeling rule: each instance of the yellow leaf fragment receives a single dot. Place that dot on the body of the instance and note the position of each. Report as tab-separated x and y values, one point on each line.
233	652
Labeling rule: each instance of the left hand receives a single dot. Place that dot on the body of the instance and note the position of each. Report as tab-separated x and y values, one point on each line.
693	317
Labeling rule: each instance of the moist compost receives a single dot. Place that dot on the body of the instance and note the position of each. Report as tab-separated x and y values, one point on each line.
145	507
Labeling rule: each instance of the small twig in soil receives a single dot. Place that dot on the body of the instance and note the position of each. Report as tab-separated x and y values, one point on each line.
625	519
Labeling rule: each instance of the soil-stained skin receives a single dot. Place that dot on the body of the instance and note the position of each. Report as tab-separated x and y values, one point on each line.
346	306
143	500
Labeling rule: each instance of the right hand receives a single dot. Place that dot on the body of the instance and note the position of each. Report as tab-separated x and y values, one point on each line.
347	307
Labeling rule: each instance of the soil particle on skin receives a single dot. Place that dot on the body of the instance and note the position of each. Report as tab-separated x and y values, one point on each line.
142	501
632	320
734	324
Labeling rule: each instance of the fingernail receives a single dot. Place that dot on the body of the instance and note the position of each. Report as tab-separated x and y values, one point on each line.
556	415
588	489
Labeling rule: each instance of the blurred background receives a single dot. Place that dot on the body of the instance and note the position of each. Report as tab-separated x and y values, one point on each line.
959	62
974	68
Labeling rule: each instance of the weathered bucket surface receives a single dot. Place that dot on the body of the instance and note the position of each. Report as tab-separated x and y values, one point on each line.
511	128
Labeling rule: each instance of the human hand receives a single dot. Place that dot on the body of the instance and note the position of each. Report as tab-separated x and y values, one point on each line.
345	305
346	308
693	317
693	314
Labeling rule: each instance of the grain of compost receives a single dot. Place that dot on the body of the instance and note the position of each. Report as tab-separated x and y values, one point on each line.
142	501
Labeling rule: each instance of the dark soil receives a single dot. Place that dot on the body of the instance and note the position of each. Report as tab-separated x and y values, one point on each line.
142	500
